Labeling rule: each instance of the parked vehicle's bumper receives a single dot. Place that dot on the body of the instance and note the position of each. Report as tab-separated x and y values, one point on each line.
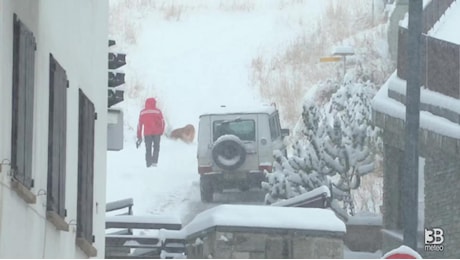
230	180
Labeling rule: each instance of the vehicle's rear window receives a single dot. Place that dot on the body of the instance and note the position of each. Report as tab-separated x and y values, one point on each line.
245	129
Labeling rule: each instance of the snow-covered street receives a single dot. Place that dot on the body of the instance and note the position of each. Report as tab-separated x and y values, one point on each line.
171	188
192	65
166	188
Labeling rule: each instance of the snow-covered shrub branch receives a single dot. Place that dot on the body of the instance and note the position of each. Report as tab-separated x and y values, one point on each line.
336	146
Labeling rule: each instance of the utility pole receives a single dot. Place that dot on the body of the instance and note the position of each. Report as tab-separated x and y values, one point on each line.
410	175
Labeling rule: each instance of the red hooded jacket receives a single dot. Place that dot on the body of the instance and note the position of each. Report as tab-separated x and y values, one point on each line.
150	119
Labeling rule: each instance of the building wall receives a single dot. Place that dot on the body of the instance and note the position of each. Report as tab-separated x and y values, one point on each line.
75	32
441	182
365	238
268	244
442	202
391	192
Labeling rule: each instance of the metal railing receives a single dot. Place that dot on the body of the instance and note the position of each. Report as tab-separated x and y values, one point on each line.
162	237
121	204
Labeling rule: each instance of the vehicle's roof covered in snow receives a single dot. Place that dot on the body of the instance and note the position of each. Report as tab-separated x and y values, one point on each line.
251	109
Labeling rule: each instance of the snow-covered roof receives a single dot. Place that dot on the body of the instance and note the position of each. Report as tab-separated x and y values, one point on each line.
244	109
144	219
305	196
426	96
257	216
447	27
343	50
428	121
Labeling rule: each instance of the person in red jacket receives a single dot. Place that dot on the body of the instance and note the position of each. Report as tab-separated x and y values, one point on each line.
152	123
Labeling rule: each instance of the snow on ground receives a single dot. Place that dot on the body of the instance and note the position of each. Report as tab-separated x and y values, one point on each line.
203	60
164	189
193	65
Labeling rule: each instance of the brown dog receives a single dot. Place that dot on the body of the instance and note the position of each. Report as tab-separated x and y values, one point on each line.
186	134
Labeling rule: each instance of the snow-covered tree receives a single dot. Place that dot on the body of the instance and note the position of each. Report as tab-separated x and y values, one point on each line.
336	147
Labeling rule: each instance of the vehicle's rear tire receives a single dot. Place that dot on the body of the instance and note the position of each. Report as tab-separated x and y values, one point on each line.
228	152
206	190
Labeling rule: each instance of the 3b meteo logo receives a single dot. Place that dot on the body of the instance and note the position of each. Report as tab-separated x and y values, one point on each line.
434	237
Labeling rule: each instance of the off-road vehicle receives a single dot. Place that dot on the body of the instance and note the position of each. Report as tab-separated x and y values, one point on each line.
235	147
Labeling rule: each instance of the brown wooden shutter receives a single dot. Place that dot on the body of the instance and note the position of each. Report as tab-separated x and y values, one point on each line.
23	102
85	168
57	138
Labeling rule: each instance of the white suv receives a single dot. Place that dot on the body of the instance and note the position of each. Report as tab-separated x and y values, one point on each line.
236	146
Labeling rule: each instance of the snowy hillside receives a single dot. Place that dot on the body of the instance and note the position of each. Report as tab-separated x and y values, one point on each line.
194	56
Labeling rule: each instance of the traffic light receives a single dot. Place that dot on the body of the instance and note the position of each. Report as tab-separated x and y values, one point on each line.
116	78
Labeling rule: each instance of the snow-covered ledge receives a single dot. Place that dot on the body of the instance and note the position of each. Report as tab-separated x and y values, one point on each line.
430	101
385	104
436	131
246	231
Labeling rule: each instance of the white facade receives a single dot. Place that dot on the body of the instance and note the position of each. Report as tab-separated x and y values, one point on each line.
75	32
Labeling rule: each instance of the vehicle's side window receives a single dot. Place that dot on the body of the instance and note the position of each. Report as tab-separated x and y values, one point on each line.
243	129
274	126
24	47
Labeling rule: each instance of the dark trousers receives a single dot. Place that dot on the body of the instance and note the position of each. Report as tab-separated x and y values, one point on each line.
152	157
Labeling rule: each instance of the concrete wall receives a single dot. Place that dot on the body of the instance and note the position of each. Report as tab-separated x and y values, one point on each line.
244	243
75	32
364	238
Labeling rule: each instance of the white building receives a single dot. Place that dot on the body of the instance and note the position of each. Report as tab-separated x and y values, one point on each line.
53	103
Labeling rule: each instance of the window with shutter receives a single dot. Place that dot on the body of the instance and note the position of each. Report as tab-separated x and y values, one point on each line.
57	134
24	47
85	202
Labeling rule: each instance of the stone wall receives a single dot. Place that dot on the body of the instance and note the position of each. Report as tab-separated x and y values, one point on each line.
391	187
442	185
442	203
363	238
223	242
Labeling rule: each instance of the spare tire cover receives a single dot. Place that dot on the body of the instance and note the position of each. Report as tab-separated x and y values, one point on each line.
228	152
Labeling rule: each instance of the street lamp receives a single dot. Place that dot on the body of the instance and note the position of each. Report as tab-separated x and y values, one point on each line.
344	51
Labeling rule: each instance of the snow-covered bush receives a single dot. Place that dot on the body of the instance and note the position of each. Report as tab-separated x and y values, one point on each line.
336	146
284	77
